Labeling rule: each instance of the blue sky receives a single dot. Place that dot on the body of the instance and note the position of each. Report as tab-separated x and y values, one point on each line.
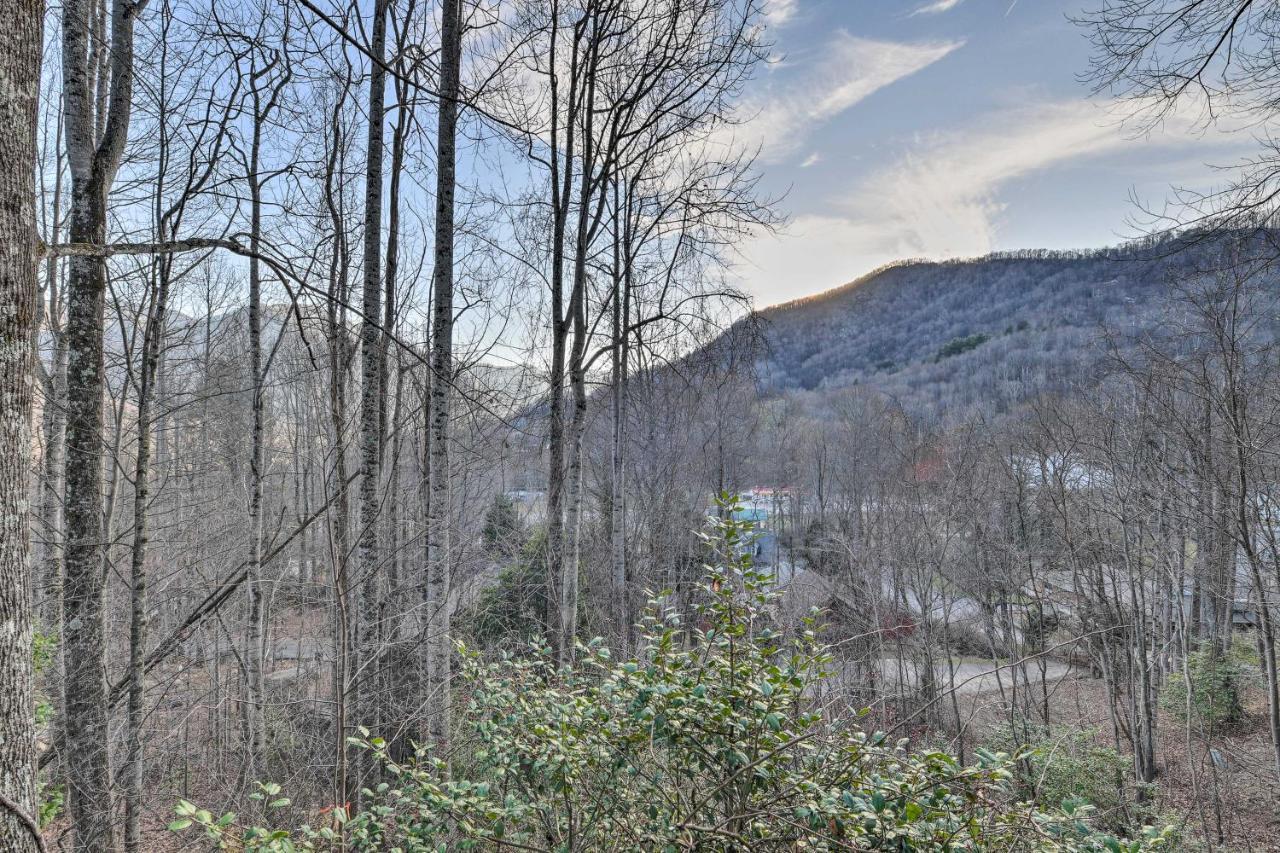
945	128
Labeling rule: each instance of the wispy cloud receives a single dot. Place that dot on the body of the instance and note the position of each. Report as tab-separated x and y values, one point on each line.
937	7
812	160
847	70
946	195
943	198
778	12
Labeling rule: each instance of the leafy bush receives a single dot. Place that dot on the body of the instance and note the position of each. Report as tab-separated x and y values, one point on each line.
52	798
1072	768
1217	686
1067	767
515	607
705	740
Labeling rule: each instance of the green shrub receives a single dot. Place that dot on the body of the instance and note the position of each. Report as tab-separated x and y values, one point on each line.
515	607
52	798
707	739
1076	769
1067	767
1217	683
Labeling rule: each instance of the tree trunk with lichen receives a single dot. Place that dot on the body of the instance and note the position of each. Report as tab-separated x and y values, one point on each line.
438	541
20	44
96	126
370	687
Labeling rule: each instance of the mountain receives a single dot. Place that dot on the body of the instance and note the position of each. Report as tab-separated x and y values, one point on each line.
946	338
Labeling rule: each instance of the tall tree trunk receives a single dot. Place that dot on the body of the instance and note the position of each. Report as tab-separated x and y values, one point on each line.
588	220
53	462
54	423
617	489
151	346
439	559
267	83
370	687
255	618
93	163
340	538
20	48
562	171
572	556
339	519
83	646
400	692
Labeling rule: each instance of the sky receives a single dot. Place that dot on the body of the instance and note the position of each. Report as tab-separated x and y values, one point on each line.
946	128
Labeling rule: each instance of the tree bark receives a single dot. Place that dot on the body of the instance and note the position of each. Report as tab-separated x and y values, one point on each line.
96	130
255	634
20	48
370	706
151	345
439	559
617	493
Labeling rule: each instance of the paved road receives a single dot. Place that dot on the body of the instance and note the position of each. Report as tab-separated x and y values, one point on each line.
976	680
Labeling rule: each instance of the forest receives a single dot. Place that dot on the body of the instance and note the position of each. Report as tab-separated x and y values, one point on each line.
392	457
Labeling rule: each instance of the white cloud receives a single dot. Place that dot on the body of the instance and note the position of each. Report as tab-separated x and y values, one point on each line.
849	70
814	254
778	12
944	197
937	7
812	160
942	200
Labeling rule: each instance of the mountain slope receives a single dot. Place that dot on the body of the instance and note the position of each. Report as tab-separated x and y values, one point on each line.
945	337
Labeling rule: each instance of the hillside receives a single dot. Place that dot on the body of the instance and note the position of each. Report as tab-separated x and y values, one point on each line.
945	337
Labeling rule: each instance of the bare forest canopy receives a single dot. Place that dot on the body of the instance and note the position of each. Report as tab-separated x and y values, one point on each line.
948	340
389	460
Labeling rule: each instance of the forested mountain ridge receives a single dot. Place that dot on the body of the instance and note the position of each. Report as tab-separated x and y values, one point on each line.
944	337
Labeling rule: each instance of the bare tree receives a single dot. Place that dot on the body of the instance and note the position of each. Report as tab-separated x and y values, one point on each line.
371	689
1211	62
96	127
267	78
20	50
439	540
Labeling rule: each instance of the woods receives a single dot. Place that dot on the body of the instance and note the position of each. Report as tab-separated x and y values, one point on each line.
283	401
392	455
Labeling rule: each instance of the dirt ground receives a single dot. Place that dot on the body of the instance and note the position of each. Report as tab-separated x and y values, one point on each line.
1221	794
